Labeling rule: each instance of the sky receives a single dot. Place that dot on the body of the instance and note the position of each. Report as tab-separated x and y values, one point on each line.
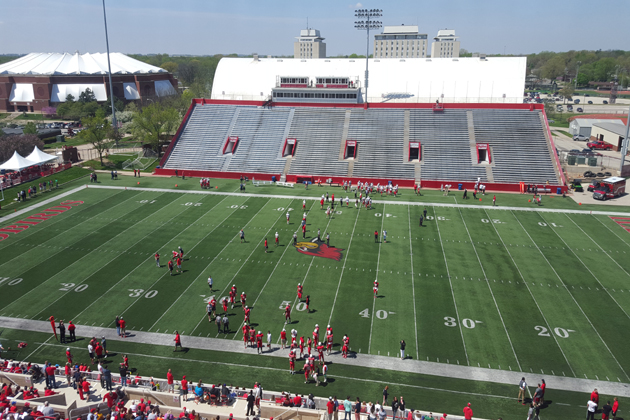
208	27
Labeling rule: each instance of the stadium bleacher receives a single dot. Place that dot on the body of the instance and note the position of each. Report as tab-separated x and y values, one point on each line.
517	136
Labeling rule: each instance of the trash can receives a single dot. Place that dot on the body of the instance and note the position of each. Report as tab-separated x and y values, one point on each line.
571	160
459	186
581	160
558	190
273	178
60	138
592	161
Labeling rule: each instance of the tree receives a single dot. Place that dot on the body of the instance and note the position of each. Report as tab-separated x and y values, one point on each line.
553	67
170	66
567	91
153	123
96	131
87	96
23	144
30	128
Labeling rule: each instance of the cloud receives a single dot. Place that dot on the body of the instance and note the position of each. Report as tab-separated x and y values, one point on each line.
355	6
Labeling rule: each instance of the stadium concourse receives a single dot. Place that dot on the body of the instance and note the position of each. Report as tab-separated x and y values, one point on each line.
501	146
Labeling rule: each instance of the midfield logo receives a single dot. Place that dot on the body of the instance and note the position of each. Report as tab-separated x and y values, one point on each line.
318	248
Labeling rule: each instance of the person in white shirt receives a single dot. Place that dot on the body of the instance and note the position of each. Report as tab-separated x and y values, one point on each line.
269	340
210	282
591	408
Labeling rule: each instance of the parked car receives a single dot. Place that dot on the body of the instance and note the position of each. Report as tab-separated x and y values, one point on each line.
590	102
559	108
586	94
579	110
599	144
605	102
577	101
579	137
570	108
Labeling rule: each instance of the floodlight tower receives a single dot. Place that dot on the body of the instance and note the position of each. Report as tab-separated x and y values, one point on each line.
109	68
367	22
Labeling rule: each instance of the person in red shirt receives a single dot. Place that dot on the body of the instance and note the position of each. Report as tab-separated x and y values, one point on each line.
50	376
213	305
184	384
110	397
245	334
179	264
320	350
71	331
309	344
259	340
123	325
297	401
321	202
142	407
225	308
178	341
247	312
303	231
329	343
157	259
287	315
316	334
307	370
301	347
170	266
468	413
330	406
266	246
169	381
283	338
595	397
69	355
99	351
292	362
175	255
86	389
376	236
232	298
615	407
344	351
243	300
299	291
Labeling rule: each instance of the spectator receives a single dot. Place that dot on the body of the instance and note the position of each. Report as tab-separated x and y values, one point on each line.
382	415
48	411
394	407
385	394
347	409
107	377
591	408
468	413
169	382
330	407
250	404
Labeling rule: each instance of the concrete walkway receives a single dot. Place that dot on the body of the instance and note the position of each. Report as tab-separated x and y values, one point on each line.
363	360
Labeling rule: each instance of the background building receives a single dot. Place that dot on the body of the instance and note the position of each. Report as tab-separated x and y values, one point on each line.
309	45
40	80
400	42
445	44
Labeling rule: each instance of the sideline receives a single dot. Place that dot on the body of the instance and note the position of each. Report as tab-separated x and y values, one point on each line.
362	360
40	204
404	203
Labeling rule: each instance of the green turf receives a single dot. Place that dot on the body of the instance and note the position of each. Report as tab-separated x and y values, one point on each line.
499	289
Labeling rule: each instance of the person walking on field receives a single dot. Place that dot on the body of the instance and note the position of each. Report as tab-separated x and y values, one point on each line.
402	349
266	245
376	236
494	200
178	341
242	235
468	413
522	386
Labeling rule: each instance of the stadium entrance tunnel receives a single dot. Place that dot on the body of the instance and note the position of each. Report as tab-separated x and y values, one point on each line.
351	149
415	152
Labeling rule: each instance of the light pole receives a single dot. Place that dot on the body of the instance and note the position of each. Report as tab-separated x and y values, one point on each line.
366	22
624	145
577	72
109	68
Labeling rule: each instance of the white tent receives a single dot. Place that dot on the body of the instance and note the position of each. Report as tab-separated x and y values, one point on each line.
40	157
17	163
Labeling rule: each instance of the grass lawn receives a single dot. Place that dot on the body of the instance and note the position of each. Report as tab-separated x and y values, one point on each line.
30	117
74	141
493	288
3	115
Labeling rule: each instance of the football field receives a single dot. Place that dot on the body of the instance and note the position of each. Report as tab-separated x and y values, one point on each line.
542	292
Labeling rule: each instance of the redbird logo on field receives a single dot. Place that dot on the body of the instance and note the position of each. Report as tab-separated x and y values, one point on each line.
318	248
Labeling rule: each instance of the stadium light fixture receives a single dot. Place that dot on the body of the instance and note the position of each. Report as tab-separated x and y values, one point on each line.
366	21
109	73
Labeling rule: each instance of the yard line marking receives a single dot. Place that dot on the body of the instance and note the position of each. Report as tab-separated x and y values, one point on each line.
490	288
273	271
76	261
128	274
532	295
589	270
413	291
208	265
344	267
378	262
403	203
307	271
34	231
571	294
191	248
448	274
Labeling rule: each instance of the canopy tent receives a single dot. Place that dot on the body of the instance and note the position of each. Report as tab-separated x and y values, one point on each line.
17	163
40	157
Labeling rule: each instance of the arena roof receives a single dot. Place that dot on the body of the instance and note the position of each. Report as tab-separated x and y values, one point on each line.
76	64
468	80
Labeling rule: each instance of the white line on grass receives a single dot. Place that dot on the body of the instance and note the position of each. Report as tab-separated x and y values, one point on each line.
532	295
378	262
76	261
344	265
571	294
35	231
28	209
193	247
490	288
611	231
140	265
448	274
413	288
270	275
122	252
206	268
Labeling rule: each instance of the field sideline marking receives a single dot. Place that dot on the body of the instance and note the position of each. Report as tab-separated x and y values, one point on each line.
41	204
307	271
54	222
448	274
413	291
343	267
191	248
128	274
496	305
378	262
238	365
86	278
532	295
410	203
76	261
611	231
208	265
572	297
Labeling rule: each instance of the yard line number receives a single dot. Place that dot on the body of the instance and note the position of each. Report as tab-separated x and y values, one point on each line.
147	201
466	322
66	287
380	314
10	282
438	218
301	306
140	292
543	224
235	206
495	221
560	332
